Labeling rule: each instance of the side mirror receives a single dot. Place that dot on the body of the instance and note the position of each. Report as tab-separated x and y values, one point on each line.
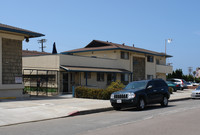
149	87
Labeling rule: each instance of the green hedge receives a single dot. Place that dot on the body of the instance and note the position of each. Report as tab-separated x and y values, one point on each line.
84	92
92	93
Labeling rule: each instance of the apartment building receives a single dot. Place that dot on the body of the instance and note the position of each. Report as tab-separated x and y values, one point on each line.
96	65
142	63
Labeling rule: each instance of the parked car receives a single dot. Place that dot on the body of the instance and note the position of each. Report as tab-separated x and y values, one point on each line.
195	84
141	93
181	82
196	93
173	85
189	84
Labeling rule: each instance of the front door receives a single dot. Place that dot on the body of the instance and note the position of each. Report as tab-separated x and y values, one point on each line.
65	83
111	77
151	93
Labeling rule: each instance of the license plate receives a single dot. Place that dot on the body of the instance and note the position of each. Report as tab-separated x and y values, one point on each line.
119	101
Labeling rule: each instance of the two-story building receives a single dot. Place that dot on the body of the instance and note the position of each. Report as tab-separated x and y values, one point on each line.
96	65
143	64
11	81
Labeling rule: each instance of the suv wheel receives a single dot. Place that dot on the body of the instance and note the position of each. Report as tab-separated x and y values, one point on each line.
165	101
141	104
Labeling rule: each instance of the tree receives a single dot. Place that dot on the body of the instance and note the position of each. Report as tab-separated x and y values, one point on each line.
54	51
178	73
194	73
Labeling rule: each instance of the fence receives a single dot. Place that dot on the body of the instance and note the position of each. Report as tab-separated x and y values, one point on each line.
40	82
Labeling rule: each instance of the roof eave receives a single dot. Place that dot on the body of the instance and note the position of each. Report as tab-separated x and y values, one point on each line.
27	34
116	49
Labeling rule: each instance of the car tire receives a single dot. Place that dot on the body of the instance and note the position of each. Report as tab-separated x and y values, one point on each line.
164	102
117	108
141	104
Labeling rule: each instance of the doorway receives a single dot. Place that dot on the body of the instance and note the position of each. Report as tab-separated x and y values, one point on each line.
65	83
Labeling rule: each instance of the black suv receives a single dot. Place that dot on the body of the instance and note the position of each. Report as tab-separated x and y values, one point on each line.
140	93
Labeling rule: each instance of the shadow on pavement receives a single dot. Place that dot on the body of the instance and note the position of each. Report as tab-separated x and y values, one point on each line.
147	108
38	98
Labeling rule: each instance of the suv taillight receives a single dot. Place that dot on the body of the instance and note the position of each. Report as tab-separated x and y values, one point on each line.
182	82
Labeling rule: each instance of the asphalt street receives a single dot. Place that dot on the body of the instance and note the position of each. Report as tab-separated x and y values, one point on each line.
179	118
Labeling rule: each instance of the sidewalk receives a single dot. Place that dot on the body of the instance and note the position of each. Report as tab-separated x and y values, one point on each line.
38	109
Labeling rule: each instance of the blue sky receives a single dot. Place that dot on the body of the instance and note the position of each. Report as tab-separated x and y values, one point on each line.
73	24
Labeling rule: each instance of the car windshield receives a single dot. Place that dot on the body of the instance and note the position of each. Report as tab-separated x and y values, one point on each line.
136	85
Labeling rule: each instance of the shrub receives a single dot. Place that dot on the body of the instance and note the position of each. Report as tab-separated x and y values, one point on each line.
117	85
170	90
92	93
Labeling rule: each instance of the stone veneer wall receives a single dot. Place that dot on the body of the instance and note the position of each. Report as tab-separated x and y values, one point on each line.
11	60
138	68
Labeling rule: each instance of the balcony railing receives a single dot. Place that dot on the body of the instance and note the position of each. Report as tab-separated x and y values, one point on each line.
164	69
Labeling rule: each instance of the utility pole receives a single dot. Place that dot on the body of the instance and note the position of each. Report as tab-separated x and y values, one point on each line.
190	70
42	41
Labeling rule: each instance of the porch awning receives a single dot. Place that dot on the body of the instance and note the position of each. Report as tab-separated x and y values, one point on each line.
93	69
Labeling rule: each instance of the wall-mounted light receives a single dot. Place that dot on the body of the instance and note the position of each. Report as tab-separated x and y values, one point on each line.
27	39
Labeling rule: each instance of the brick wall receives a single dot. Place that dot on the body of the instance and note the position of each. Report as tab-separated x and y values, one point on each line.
11	60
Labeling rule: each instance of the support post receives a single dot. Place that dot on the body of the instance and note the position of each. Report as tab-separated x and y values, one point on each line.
73	91
86	77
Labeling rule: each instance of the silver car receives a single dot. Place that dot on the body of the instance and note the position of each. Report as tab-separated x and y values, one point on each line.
181	82
196	93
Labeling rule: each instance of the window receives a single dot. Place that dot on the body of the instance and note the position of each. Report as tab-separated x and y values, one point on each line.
124	55
100	77
157	61
151	83
125	78
160	84
149	77
150	58
88	75
110	78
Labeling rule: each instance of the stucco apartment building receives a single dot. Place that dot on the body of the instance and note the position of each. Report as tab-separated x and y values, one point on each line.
11	81
97	65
